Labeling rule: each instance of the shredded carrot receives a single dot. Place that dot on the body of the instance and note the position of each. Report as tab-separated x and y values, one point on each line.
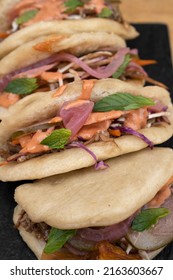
115	133
4	35
55	120
51	77
144	62
3	163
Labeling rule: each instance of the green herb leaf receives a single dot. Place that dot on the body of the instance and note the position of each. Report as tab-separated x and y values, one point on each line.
123	66
57	238
22	86
57	139
73	4
26	16
148	217
105	13
122	101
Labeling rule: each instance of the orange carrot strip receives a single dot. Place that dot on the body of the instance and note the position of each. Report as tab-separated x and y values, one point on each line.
4	35
55	120
144	62
115	133
3	163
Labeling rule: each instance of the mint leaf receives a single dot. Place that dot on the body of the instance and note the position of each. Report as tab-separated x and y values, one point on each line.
123	66
105	13
73	4
122	101
57	238
22	86
26	16
57	139
148	217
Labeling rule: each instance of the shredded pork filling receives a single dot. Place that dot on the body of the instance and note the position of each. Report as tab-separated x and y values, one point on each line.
40	230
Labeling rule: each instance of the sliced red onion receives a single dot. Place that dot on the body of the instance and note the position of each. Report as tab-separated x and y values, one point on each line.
131	131
32	73
82	246
74	250
109	233
133	51
74	117
5	81
98	164
80	138
158	107
101	165
136	67
100	73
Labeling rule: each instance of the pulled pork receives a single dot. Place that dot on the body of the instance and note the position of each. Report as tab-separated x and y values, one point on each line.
41	230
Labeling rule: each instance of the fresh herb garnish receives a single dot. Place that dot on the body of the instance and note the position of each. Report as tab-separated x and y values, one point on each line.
123	66
105	13
57	139
57	238
73	4
148	217
22	86
26	16
122	101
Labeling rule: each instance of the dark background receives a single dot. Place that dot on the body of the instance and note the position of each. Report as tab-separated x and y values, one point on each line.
153	43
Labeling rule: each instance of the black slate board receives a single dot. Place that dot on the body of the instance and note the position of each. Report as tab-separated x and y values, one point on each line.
153	43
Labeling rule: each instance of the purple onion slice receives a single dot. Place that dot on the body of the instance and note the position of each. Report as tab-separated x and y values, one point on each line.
98	164
131	131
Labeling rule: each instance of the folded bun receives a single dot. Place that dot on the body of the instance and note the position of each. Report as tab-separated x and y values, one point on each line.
77	43
35	244
38	107
43	28
89	198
